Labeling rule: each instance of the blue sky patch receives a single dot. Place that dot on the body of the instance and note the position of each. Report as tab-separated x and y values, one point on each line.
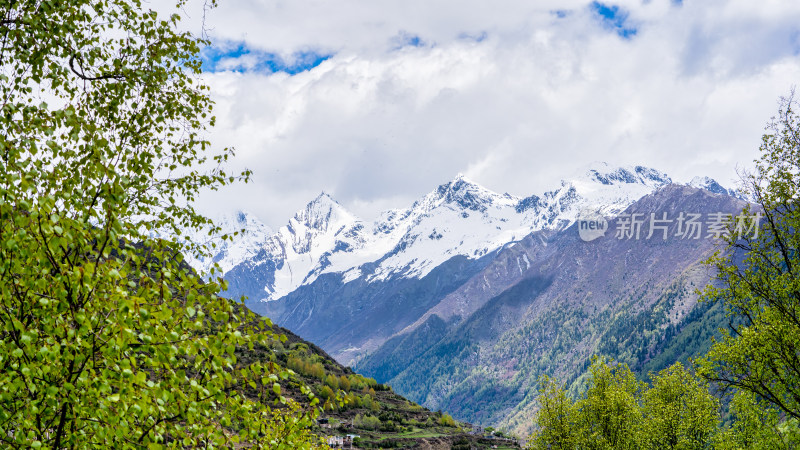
560	13
477	37
406	39
614	18
238	57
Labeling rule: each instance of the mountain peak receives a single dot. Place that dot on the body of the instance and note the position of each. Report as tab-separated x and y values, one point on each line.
323	211
244	217
713	186
459	217
463	178
461	181
464	193
235	221
607	174
323	197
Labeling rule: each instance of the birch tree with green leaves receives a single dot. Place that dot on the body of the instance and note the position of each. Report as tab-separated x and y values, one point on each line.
759	352
675	411
107	339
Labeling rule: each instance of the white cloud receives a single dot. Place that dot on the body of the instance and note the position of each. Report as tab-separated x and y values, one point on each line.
517	109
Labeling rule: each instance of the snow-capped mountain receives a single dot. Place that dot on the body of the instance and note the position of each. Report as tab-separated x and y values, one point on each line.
457	218
250	235
322	237
599	187
711	185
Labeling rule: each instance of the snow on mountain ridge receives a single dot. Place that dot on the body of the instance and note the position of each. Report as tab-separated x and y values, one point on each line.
322	213
322	237
606	174
457	218
251	235
464	193
711	185
460	217
483	221
599	187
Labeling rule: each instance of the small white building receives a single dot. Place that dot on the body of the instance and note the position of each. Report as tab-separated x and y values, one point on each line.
341	441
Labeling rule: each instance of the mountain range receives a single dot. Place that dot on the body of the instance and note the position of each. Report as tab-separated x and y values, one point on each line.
463	300
457	218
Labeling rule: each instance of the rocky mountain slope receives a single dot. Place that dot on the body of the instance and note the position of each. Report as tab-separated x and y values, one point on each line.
547	304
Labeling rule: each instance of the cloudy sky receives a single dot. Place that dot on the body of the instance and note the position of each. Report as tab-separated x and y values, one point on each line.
378	102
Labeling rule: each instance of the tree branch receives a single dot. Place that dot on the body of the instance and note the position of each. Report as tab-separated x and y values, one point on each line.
82	74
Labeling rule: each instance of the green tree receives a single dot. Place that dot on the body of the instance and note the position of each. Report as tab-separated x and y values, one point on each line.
619	412
678	412
606	417
344	383
447	421
326	392
760	278
366	422
556	420
609	414
107	340
332	382
756	425
317	371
